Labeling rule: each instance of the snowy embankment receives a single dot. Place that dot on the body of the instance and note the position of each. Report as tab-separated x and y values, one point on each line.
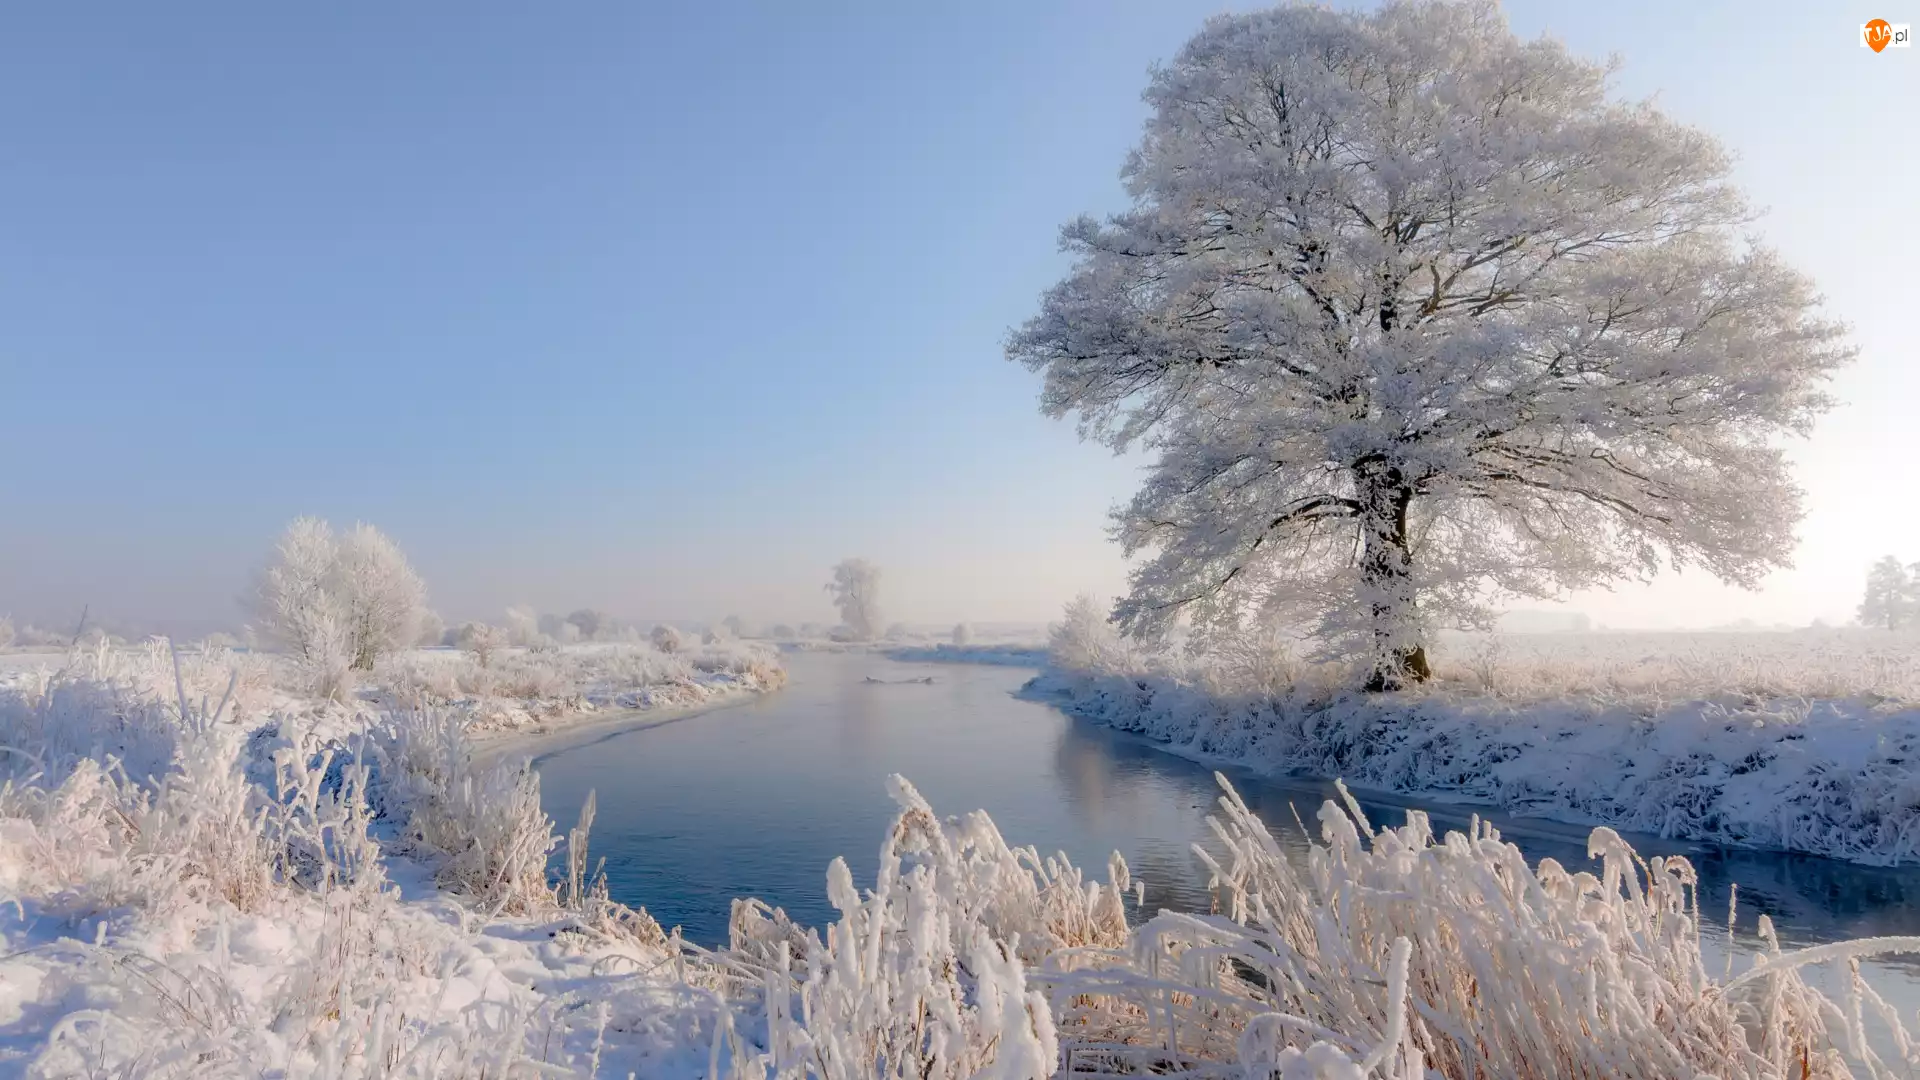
196	883
523	691
1758	761
1001	655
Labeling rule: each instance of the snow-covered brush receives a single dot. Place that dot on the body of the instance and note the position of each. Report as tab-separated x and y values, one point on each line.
913	980
1403	952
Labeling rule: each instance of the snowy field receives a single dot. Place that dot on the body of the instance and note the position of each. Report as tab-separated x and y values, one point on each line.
1803	741
204	874
1009	655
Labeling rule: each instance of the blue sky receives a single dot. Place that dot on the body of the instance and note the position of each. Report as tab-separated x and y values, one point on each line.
663	308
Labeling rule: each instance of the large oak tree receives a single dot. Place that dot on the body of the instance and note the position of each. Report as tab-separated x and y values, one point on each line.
1412	315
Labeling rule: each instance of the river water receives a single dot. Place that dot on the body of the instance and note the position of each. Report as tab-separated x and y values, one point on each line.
756	800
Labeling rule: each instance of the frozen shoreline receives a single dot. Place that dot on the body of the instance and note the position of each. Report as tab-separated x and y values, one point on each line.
573	729
1827	778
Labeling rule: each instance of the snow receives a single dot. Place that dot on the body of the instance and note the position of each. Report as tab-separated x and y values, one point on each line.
1002	655
1759	740
302	889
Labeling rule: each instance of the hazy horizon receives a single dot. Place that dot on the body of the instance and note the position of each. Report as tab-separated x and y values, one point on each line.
664	311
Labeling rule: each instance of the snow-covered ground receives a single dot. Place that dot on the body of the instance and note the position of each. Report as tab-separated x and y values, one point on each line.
1803	741
1009	655
203	874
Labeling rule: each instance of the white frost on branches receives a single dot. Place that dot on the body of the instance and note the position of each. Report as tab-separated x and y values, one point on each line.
1414	317
339	601
856	592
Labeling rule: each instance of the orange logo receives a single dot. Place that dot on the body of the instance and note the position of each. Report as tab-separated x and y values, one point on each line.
1878	33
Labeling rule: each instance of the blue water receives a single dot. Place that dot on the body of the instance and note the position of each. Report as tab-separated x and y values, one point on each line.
756	800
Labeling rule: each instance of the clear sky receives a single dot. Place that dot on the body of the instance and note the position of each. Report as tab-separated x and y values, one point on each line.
663	308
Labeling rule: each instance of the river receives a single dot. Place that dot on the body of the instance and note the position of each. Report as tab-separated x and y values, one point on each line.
755	800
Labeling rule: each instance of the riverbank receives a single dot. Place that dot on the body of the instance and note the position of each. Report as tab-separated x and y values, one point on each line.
1834	777
540	740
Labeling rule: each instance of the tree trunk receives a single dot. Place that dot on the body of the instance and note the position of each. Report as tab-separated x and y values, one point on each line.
1386	567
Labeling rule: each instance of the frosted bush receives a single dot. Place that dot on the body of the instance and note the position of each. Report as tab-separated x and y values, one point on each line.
483	641
667	639
483	827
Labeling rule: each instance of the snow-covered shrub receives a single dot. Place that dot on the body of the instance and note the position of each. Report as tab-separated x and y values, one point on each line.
911	981
1455	956
667	639
754	662
482	826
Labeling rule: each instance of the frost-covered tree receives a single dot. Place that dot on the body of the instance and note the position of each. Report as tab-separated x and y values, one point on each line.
6	631
433	628
780	632
523	626
294	601
1083	640
483	640
1414	317
338	600
737	626
856	592
383	597
1889	601
593	624
962	634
